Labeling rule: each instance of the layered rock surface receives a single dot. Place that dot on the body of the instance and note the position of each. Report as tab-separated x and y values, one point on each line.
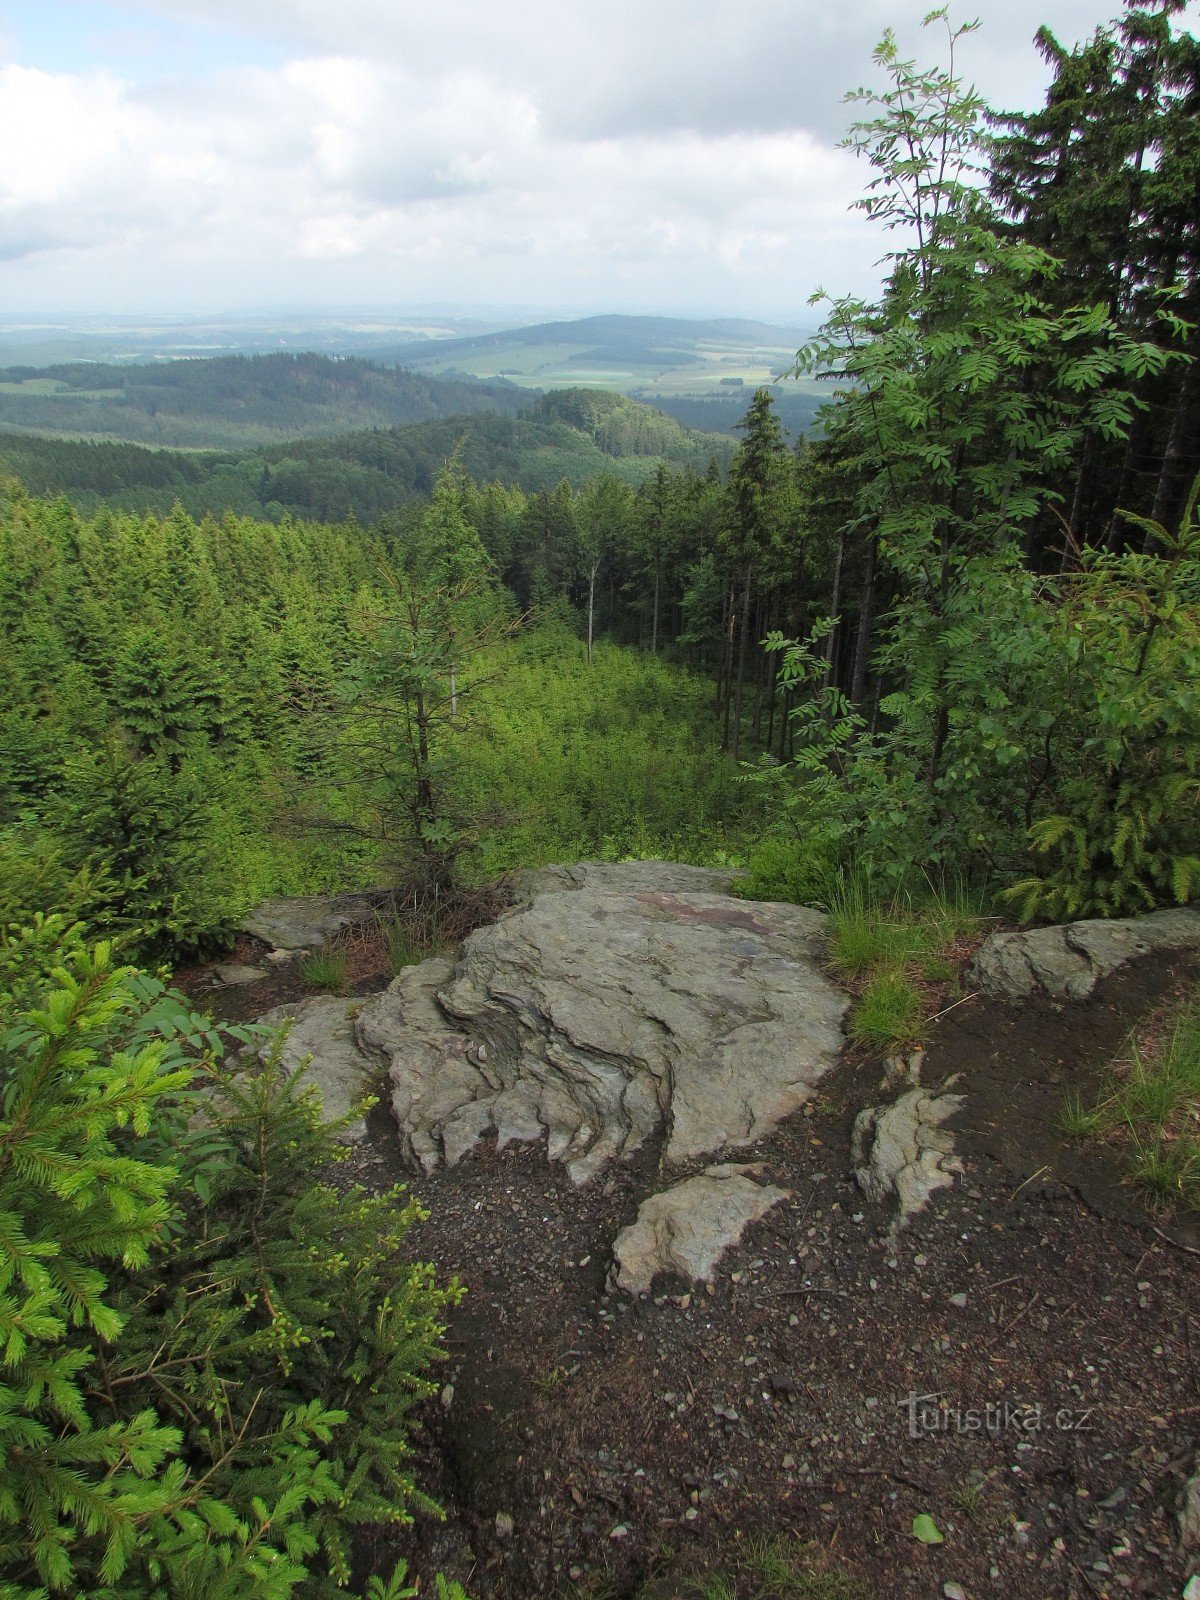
686	1229
306	922
621	1004
1068	961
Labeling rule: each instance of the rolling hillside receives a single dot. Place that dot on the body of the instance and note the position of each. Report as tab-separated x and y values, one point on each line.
575	435
700	372
234	401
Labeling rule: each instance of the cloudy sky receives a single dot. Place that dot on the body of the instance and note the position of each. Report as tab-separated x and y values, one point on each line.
552	155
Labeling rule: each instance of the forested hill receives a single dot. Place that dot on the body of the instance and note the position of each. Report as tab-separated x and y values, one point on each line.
231	402
576	435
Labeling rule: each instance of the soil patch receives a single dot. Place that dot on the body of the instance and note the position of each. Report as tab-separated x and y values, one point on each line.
1050	1332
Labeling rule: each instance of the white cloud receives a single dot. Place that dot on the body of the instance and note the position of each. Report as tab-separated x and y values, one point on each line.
603	153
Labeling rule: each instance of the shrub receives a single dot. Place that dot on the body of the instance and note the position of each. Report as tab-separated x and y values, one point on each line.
207	1354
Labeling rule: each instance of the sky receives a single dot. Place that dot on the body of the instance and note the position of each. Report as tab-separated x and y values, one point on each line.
561	156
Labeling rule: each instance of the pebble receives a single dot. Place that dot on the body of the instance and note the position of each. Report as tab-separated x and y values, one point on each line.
958	1300
954	1591
621	1531
447	1397
504	1525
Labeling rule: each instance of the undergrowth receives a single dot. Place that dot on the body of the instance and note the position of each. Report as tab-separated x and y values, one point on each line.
1150	1109
901	956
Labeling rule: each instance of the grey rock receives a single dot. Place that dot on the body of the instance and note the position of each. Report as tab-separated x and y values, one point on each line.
306	922
322	1033
686	1229
601	1015
1066	962
903	1150
902	1071
504	1526
233	973
1189	1514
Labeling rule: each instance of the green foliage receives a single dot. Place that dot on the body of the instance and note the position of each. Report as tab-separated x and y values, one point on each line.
208	1353
325	969
1150	1107
889	1014
1124	834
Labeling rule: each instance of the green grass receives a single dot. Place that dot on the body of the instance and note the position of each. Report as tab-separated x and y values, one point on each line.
756	1568
895	951
404	947
325	970
1076	1120
889	1014
1151	1107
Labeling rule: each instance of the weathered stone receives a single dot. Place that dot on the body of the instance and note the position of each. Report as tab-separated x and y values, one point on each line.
233	973
323	1029
1067	962
604	1015
308	921
904	1150
686	1229
1189	1515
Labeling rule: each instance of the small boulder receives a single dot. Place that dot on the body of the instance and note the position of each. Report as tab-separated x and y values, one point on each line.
234	973
1067	962
686	1229
321	1039
306	922
903	1150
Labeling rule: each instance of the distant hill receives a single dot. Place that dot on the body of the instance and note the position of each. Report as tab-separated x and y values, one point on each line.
577	436
235	401
702	373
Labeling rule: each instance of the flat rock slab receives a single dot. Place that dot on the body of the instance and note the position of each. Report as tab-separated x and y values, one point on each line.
686	1229
234	973
903	1150
323	1029
306	922
630	1006
1066	962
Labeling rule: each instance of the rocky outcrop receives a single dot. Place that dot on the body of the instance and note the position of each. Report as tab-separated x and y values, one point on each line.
685	1230
904	1150
321	1038
622	1003
1067	962
306	922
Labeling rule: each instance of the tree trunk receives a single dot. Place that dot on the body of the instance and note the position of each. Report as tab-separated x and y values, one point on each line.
835	606
591	605
654	630
730	625
747	594
1177	472
862	644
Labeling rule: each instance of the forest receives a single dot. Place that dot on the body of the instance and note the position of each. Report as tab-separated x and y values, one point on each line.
567	436
948	643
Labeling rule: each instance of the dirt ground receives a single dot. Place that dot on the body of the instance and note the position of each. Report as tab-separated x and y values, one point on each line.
1019	1363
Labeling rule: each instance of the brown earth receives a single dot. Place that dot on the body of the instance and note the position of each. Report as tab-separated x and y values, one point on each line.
650	1441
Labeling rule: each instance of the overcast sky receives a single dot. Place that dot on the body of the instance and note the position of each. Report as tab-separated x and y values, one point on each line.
558	155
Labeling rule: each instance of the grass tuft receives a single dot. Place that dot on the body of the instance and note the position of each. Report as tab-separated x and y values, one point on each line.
1153	1108
325	970
890	1014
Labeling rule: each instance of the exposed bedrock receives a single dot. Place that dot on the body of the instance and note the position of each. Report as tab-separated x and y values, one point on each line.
621	1003
1067	962
685	1230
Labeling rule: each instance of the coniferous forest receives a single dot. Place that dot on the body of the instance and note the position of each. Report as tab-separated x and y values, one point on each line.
946	643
